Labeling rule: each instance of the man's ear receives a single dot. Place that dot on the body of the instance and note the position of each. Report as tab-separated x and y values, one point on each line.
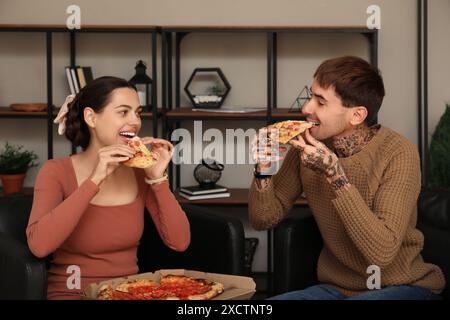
90	117
359	114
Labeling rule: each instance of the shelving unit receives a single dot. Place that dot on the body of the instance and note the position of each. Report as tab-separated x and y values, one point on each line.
49	30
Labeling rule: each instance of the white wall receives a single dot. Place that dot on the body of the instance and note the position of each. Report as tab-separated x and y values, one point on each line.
241	57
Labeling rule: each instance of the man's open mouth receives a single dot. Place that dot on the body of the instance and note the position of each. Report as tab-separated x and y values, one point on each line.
314	122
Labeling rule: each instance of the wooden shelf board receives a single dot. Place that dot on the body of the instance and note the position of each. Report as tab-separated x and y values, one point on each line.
186	113
188	28
238	197
265	28
8	113
62	27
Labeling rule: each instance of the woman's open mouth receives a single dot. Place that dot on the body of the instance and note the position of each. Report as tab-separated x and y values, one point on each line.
127	135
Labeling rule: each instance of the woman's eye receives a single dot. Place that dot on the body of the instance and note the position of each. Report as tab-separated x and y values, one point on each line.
123	112
139	113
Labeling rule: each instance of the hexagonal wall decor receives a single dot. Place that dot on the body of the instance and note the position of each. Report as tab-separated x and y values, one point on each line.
207	88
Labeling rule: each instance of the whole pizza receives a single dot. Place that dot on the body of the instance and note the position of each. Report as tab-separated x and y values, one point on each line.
171	287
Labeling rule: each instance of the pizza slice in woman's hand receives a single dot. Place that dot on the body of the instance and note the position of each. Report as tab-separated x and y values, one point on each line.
143	157
287	130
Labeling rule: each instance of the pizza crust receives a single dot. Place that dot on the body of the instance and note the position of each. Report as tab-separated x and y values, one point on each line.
105	292
124	287
216	289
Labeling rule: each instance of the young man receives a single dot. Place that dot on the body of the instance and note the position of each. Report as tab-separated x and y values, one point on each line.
361	181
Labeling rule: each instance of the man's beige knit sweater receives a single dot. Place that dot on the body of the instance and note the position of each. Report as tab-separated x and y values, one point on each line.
371	223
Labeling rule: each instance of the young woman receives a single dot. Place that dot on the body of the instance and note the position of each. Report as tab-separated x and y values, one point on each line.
88	208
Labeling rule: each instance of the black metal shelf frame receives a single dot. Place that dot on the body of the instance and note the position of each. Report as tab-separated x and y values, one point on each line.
49	30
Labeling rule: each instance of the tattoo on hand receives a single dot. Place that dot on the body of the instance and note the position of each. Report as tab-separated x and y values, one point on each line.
324	162
339	183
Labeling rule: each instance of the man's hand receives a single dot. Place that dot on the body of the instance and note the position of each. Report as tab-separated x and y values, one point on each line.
316	156
265	152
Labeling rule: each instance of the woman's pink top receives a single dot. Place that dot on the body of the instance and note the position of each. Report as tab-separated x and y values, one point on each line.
99	241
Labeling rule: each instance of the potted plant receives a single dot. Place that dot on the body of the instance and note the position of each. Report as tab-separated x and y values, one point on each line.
14	164
440	153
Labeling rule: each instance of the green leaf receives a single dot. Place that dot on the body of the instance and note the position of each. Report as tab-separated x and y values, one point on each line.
14	160
440	153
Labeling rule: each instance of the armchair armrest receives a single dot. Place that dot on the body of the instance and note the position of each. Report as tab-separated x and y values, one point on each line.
297	246
217	245
22	275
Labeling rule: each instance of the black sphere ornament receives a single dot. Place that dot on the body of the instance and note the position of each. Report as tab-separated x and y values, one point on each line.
208	173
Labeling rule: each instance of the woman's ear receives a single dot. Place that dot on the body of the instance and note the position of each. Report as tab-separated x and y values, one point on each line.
359	114
90	117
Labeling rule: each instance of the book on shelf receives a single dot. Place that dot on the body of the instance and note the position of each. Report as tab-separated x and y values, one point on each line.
205	196
81	78
87	71
75	80
197	190
231	110
70	81
78	77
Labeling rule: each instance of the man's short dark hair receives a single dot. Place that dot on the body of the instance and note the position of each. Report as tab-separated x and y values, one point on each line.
355	81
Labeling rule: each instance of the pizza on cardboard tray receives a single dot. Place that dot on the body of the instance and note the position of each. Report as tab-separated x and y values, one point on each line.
171	287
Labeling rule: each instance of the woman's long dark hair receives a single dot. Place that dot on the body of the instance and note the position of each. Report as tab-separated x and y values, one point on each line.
95	95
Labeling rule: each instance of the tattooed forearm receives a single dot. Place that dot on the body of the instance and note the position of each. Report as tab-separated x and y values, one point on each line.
335	170
316	161
340	183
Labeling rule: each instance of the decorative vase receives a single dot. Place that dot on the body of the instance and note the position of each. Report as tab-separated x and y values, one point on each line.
12	183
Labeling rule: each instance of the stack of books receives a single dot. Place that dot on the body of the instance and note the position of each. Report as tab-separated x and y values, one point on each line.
199	193
78	77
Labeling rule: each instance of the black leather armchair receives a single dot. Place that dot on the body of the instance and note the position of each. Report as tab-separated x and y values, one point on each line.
297	243
217	245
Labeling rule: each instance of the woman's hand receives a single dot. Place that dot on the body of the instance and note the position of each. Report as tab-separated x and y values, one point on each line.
317	157
163	152
109	159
